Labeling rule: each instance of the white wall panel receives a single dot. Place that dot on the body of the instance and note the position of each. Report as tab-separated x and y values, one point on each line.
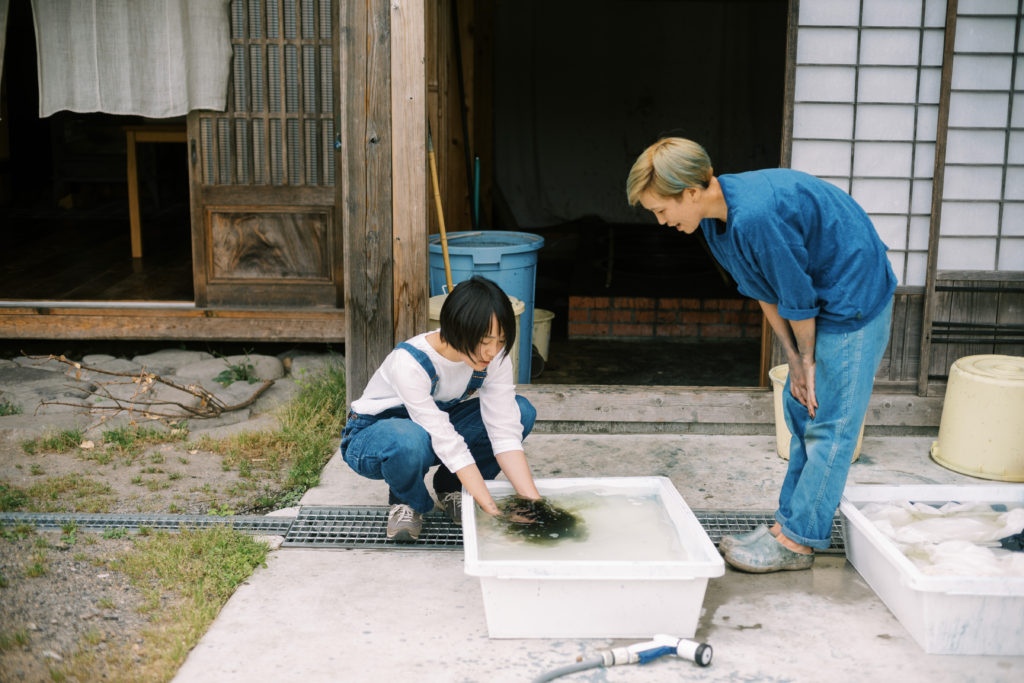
931	47
1011	254
822	158
935	13
919	232
842	183
917	268
989	72
1015	152
966	253
973	182
823	121
924	159
976	219
927	122
892	13
974	34
1015	183
978	110
930	84
892	230
830	13
887	84
970	218
827	46
898	259
825	84
987	7
882	159
882	196
921	201
885	122
889	47
975	146
1017	119
1013	219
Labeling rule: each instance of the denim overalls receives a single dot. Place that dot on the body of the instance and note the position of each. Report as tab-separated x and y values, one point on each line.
390	446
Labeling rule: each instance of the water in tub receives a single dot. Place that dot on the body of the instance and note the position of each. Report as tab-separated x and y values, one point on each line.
618	526
953	539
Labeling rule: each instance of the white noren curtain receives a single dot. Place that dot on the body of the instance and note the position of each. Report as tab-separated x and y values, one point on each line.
158	58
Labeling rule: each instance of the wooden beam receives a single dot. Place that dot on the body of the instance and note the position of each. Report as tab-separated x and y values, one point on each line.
408	159
938	177
366	180
171	323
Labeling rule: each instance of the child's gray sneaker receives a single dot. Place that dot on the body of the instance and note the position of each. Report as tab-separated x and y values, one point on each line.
404	523
451	504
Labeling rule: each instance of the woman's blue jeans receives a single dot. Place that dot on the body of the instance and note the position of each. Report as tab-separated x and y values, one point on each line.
392	447
821	449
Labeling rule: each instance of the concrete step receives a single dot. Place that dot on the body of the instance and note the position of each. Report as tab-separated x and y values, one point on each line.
599	409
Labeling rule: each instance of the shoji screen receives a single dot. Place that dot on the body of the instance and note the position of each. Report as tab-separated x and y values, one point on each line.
983	193
865	112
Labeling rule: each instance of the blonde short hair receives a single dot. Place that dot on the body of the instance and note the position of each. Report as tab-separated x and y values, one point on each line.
668	167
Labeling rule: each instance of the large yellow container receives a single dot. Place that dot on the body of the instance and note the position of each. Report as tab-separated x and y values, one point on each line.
981	432
778	375
517	307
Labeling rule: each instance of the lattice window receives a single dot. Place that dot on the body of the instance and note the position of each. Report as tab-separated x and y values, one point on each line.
983	191
278	128
866	109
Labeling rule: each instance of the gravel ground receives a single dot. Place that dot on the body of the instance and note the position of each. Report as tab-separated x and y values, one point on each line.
78	603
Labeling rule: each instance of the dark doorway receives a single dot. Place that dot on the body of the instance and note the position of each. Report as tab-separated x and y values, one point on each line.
580	89
64	215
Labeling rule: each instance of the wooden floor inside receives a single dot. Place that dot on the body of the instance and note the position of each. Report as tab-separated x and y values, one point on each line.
84	254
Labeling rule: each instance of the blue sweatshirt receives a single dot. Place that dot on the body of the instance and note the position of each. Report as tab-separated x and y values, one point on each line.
799	242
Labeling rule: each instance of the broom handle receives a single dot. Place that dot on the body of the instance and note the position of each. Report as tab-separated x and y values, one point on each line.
440	212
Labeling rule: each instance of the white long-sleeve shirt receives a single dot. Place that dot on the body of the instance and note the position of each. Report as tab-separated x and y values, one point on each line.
401	380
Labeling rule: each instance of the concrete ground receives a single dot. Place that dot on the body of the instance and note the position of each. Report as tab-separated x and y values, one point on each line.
414	615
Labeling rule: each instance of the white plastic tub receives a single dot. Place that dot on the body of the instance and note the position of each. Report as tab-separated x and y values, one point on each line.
944	614
596	599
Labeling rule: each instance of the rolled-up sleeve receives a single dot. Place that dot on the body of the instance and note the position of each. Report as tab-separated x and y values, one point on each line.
784	265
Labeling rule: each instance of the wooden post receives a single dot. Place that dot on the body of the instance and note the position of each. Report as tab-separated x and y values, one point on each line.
938	177
408	159
366	192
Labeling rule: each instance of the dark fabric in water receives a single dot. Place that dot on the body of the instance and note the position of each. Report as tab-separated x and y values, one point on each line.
538	521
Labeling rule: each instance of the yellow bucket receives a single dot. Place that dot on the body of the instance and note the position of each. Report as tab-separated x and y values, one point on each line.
778	375
981	432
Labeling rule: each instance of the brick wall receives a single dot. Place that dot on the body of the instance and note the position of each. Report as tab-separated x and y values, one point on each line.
619	316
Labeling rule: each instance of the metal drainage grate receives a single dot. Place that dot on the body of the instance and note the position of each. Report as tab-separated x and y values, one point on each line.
366	527
719	523
357	527
277	526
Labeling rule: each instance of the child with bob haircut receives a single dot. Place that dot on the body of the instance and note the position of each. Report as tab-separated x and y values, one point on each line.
419	410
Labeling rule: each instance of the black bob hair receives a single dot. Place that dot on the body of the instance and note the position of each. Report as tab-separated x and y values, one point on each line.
467	311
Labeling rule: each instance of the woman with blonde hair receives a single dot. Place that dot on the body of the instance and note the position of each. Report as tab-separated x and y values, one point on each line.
812	258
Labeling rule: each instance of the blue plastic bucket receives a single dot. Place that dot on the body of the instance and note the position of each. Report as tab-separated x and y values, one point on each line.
507	258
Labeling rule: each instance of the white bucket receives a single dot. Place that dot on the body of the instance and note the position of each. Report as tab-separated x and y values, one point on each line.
542	331
517	307
778	375
981	432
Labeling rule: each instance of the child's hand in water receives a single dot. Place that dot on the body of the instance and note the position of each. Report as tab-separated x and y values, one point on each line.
520	510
